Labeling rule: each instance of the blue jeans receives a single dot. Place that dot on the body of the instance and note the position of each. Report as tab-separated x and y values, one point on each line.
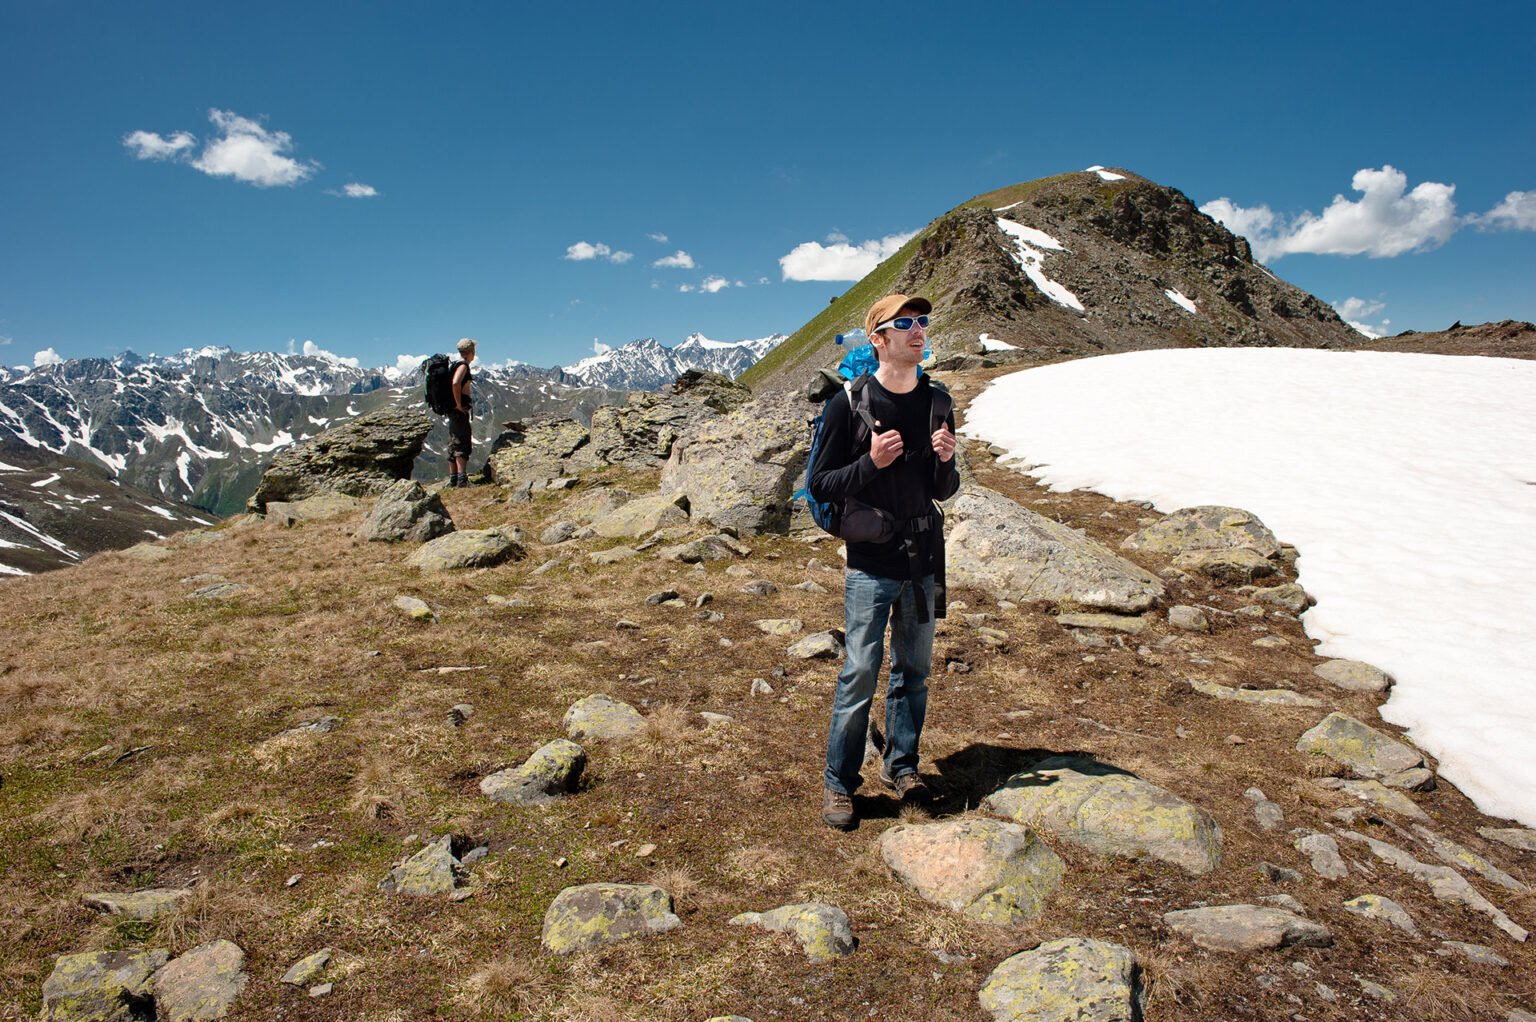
869	602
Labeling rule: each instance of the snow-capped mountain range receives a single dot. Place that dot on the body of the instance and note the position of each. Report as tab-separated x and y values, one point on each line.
200	426
648	365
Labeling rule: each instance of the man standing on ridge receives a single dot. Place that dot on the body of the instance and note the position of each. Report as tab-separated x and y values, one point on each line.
899	465
460	436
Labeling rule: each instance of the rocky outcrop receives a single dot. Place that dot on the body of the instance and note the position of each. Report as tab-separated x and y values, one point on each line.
1014	553
739	471
1366	751
406	513
1247	928
359	458
202	984
109	986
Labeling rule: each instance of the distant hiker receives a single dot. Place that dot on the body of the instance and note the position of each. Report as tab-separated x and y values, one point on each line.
887	475
461	439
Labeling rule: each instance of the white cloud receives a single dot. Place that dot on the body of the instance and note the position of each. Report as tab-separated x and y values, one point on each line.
315	351
583	251
354	190
837	236
1387	220
46	357
146	145
679	259
763	280
685	288
660	239
599	348
1354	311
714	285
4	341
841	260
1516	213
249	152
405	365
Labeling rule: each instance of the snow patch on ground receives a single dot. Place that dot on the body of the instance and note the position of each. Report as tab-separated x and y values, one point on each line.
1107	175
990	343
1181	300
283	439
46	482
10	468
1407	481
1030	258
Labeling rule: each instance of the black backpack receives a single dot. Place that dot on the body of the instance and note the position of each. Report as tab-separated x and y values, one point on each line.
439	372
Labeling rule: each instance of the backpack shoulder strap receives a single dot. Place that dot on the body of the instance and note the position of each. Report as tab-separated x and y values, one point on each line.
858	403
941	405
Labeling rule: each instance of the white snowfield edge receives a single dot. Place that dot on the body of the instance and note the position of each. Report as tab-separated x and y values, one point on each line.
1407	482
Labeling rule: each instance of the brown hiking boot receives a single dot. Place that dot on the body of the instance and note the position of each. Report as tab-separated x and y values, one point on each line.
837	810
909	788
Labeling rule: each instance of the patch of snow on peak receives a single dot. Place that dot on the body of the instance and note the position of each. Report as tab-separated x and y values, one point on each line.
46	482
990	343
282	439
1030	260
1181	300
1107	175
10	468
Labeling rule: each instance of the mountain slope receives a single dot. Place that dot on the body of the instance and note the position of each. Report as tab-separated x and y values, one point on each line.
1077	264
647	364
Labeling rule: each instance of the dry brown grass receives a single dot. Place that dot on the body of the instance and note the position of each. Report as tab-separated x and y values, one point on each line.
217	804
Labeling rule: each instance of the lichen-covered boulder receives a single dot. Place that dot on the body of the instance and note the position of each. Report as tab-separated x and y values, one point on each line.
1109	812
1287	596
202	984
551	772
986	870
1362	748
434	870
469	548
1256	696
406	512
822	930
1237	566
603	718
643	516
359	458
1208	527
740	469
1375	906
101	986
309	969
594	914
820	646
146	904
1377	794
1016	554
1247	928
535	451
1071	980
1354	676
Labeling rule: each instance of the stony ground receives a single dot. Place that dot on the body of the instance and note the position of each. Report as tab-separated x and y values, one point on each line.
139	724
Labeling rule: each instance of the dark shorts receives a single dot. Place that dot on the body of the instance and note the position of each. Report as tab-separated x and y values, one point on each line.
460	439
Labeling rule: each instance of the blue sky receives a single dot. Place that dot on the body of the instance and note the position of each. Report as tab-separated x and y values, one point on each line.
174	175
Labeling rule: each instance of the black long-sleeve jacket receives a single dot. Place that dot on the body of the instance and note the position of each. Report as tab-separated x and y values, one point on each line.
906	488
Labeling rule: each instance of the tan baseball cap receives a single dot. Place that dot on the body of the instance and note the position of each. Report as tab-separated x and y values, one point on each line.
887	307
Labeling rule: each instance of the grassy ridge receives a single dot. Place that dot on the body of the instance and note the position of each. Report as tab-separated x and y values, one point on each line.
811	346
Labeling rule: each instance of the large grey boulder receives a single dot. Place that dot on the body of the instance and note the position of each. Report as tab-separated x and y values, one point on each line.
986	870
202	984
102	986
740	470
595	914
1076	979
146	904
1109	812
603	718
1016	554
406	512
359	458
534	452
643	516
551	772
1354	675
1247	928
1208	527
822	930
469	548
1366	751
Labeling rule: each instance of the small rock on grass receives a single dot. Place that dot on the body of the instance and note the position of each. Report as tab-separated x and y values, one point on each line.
1362	748
145	904
1477	954
822	930
1247	928
309	968
414	608
821	646
1515	837
1353	676
1189	619
1323	851
433	870
594	914
601	717
201	984
1374	906
987	870
551	772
